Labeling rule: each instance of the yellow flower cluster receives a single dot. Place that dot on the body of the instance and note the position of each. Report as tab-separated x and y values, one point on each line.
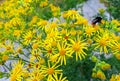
115	77
42	46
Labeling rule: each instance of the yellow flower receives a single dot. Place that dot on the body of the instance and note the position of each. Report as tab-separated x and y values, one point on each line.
63	50
89	41
60	78
97	28
115	77
115	37
35	75
17	72
115	46
44	3
27	1
55	10
105	66
102	42
5	57
9	47
101	75
117	56
71	14
54	58
53	35
17	33
50	71
79	32
53	26
50	51
36	44
42	24
89	31
73	32
78	47
35	54
116	22
27	37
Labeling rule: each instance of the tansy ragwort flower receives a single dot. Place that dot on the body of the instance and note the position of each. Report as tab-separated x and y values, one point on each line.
42	24
115	77
103	42
71	14
60	78
100	75
77	47
115	46
49	51
8	46
50	71
89	31
17	72
55	10
63	52
43	3
35	75
27	37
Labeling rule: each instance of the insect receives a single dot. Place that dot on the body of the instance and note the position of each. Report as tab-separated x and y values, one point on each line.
96	20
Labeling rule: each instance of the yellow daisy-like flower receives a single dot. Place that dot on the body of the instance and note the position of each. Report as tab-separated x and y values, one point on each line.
89	31
60	78
101	75
115	46
71	14
55	10
54	34
102	42
63	50
50	51
9	46
115	77
52	26
17	33
78	47
17	72
42	24
116	22
35	75
27	37
50	71
44	3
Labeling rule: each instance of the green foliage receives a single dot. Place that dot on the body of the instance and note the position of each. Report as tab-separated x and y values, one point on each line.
67	4
78	70
113	7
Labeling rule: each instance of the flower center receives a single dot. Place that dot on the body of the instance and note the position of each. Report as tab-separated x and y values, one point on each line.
35	46
28	38
102	42
66	37
50	71
49	51
34	80
76	47
8	47
62	52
